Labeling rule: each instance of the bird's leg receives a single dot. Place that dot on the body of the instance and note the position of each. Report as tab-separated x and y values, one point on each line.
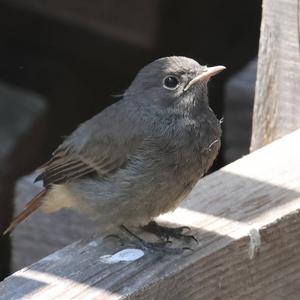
166	233
154	247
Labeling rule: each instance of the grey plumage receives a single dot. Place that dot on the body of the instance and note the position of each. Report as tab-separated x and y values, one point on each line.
141	156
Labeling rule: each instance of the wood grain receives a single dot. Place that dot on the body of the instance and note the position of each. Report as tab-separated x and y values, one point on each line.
259	193
277	101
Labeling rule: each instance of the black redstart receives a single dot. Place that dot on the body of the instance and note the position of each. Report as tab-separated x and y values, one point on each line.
141	156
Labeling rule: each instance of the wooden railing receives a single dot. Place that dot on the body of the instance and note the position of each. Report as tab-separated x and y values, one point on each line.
246	218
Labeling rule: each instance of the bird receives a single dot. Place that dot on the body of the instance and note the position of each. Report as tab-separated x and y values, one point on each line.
139	157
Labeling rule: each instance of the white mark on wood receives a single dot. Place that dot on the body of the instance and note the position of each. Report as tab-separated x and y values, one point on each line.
125	255
255	242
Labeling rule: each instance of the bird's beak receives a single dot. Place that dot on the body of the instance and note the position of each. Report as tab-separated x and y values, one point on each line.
209	72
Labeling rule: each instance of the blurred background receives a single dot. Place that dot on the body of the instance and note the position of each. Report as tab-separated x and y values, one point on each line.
61	61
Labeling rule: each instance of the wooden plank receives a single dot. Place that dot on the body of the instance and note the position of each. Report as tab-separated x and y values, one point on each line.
246	217
277	101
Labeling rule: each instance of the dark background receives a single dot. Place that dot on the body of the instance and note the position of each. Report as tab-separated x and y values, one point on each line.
77	54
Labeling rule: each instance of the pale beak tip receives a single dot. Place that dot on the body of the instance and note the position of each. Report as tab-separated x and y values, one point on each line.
206	75
215	70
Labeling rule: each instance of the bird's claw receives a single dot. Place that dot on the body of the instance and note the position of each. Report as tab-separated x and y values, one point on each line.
167	232
155	247
161	247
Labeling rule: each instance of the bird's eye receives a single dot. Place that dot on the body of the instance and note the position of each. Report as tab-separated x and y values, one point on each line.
170	82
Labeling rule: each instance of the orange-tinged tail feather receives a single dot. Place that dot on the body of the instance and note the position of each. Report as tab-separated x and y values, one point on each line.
31	206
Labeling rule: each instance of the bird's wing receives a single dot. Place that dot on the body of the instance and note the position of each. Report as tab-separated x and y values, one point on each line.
94	148
64	166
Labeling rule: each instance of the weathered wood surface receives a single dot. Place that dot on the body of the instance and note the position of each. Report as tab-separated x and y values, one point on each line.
247	219
277	101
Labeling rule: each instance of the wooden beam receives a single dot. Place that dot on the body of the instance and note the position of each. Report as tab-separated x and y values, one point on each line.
246	217
277	101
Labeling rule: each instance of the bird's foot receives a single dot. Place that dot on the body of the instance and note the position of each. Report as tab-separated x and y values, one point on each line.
155	247
165	233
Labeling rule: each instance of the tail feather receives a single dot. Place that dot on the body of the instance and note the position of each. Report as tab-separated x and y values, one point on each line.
31	206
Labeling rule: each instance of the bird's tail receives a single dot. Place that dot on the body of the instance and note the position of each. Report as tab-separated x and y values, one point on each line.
31	206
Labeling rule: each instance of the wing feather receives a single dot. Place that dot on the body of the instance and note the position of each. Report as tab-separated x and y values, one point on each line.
98	147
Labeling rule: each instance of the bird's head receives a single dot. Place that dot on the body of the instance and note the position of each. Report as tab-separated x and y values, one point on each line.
175	81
